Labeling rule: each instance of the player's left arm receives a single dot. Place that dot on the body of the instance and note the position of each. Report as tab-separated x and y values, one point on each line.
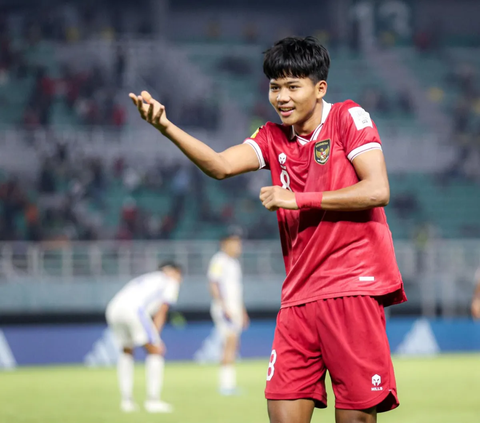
246	318
160	317
371	191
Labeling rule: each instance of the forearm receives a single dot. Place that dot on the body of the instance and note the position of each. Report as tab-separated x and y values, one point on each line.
364	195
208	160
159	322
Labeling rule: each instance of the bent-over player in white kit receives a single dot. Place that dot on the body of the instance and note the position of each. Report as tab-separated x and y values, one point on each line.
136	315
227	309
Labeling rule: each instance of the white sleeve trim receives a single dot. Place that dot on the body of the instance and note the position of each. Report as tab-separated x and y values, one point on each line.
258	150
363	149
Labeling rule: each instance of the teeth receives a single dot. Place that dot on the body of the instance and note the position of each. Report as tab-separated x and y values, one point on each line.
286	110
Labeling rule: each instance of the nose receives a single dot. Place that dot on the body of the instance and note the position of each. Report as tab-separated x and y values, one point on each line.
283	96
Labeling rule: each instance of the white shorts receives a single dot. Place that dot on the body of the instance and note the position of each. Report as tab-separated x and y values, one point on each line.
224	326
132	327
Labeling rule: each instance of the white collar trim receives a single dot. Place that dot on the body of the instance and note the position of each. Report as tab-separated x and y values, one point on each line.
325	112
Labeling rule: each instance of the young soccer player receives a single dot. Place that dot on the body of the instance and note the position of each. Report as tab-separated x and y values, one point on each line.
329	188
136	315
227	309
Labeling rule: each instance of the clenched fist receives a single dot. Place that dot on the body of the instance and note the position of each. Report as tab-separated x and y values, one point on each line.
274	198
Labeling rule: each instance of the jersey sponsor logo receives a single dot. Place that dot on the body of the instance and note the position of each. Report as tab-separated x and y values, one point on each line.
256	133
361	118
321	151
376	382
285	179
284	176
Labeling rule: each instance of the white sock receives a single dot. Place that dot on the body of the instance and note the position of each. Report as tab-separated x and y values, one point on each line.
154	365
228	377
125	375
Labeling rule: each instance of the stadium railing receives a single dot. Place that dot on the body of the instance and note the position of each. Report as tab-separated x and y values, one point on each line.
438	276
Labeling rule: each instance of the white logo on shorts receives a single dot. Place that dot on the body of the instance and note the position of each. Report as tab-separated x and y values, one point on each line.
376	381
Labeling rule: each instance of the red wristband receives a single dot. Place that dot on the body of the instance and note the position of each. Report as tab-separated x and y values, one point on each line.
309	200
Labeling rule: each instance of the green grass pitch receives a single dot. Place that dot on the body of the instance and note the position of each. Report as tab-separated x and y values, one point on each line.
445	389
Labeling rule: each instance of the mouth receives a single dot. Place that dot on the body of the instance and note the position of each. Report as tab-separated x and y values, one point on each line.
286	111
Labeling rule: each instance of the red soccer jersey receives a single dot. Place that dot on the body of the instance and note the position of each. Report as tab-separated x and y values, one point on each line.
329	254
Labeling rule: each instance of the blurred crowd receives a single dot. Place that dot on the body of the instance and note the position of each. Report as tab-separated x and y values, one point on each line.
71	196
74	196
39	88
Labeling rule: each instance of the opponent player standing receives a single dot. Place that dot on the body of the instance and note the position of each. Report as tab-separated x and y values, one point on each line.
136	315
227	309
329	188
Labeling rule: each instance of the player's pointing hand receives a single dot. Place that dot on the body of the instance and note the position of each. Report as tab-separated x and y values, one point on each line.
151	110
274	198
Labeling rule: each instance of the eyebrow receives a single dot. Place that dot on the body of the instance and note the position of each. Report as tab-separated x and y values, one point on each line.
293	81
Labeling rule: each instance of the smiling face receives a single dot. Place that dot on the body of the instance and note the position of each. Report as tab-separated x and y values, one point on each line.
298	102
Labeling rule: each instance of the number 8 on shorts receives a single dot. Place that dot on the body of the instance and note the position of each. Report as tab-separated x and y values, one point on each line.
271	365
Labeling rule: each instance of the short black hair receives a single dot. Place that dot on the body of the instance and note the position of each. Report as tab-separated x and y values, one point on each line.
231	232
297	57
172	264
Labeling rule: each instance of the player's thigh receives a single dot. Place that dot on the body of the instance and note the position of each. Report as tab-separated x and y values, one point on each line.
122	335
120	328
142	330
356	353
296	369
296	411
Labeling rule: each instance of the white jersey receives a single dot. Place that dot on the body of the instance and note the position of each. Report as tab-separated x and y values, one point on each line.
147	292
227	273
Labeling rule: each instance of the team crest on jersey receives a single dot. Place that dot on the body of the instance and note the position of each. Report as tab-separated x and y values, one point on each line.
322	151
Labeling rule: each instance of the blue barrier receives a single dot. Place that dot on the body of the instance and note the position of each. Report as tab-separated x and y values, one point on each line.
93	344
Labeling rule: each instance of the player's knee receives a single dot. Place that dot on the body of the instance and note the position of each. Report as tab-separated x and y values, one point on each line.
155	349
127	350
350	416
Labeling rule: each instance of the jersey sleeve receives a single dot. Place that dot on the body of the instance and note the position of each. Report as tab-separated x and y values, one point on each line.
359	133
170	295
215	270
259	141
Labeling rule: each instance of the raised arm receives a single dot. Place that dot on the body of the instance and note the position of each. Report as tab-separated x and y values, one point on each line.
233	161
371	191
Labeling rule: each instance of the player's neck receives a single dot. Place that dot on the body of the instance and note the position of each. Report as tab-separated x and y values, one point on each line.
311	123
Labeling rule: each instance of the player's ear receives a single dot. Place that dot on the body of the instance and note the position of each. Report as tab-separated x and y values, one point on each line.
321	89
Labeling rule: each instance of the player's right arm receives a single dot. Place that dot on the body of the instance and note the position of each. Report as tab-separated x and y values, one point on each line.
233	161
217	297
476	298
160	317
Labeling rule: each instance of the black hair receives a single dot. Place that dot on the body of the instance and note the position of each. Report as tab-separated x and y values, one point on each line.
232	232
170	263
297	57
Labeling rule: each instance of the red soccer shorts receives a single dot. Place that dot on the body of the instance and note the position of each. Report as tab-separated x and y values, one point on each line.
345	336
